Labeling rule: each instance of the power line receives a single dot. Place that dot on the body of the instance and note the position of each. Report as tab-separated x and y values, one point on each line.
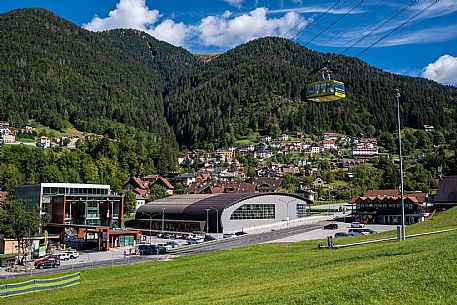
362	18
320	16
300	23
398	27
333	23
379	26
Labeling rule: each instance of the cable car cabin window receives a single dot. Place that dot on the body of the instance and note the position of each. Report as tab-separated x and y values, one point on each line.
330	87
311	89
339	88
323	88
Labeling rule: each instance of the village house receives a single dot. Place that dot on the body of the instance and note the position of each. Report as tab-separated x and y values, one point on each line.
265	139
44	142
329	145
384	207
428	128
365	148
282	138
318	182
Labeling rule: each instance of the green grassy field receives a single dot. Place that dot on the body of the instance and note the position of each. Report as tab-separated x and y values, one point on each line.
419	270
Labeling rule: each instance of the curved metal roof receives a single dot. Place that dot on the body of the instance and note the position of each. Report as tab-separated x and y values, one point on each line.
193	206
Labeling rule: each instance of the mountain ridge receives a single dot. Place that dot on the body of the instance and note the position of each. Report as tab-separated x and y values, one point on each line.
110	82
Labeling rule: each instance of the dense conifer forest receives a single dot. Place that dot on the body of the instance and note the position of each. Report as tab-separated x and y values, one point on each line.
148	96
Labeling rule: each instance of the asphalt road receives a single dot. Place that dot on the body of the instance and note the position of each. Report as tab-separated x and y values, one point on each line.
223	244
247	240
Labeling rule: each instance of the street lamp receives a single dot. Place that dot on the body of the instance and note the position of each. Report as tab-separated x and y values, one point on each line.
207	220
163	219
217	220
150	224
403	233
287	203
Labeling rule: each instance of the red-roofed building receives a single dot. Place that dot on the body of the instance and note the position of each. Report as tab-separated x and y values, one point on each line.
384	206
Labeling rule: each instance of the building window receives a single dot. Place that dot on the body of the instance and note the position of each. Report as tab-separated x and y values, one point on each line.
301	210
254	211
92	210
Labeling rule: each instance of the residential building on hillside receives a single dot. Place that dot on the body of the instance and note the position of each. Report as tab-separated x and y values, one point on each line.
384	207
265	139
282	138
363	150
428	127
44	142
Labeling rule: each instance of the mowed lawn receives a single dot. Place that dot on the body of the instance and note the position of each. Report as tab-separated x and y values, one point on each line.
420	270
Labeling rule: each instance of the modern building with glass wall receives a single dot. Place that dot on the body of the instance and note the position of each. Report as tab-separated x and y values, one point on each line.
84	215
40	194
226	213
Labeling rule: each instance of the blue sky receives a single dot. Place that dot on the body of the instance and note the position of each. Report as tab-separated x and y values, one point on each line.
424	46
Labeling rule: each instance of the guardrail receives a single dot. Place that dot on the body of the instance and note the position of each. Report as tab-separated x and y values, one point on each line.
330	244
9	290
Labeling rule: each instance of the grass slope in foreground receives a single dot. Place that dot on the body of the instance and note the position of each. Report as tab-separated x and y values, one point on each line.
420	270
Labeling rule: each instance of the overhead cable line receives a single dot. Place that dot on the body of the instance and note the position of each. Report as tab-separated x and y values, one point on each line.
397	28
303	21
379	26
312	22
362	18
334	22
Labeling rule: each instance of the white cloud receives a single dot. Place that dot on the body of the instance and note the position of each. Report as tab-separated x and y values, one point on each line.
132	14
170	31
444	70
235	3
221	31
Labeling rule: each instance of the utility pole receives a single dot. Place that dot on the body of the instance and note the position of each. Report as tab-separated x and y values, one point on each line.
403	232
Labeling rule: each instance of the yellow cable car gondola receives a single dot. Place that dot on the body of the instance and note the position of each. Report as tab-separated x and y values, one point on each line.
326	90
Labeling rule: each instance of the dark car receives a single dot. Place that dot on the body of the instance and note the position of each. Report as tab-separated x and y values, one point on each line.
148	249
240	233
209	238
48	262
331	226
161	249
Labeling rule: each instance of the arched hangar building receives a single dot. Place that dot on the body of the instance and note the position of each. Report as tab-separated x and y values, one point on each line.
227	212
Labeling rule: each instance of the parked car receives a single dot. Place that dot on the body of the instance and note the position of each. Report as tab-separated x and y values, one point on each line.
64	256
173	244
195	236
240	233
148	249
72	253
344	234
364	231
47	262
228	235
341	234
178	236
166	246
192	241
162	249
331	226
209	238
357	225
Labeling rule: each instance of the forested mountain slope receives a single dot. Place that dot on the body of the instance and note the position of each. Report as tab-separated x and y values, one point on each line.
124	81
260	86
